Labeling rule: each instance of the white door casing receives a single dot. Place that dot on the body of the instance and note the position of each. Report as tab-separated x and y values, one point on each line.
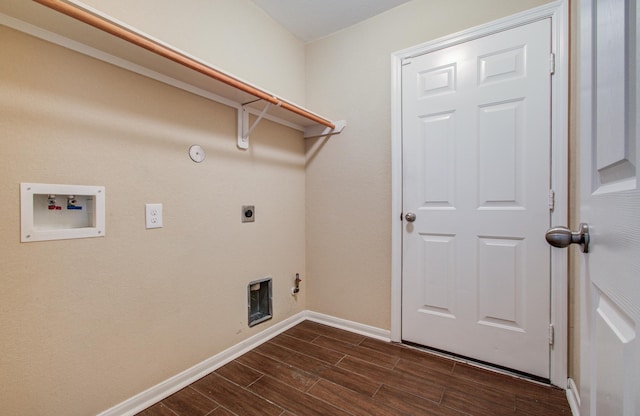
557	13
476	142
610	203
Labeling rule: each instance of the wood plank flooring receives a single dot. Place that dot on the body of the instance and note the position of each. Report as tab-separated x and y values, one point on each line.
317	370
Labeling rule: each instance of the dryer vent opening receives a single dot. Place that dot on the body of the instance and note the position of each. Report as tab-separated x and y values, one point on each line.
260	303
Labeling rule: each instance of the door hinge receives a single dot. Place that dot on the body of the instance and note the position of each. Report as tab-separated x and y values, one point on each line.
551	334
552	200
552	63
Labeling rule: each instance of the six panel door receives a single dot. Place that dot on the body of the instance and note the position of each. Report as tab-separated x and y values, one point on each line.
476	174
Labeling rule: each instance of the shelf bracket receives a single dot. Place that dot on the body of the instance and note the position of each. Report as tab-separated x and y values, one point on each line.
244	130
243	124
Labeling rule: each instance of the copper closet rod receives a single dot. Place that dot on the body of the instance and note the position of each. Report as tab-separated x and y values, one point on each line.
168	53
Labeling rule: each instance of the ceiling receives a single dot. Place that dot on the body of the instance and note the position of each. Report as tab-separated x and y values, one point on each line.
310	20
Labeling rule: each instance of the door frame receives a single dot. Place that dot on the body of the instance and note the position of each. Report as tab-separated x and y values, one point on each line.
558	12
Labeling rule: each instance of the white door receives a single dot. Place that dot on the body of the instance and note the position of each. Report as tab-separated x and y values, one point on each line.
610	204
476	175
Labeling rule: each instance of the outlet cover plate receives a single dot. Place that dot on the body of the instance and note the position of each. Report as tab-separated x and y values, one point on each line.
153	215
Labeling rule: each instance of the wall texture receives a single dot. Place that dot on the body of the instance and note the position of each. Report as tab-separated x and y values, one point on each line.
232	35
88	323
349	179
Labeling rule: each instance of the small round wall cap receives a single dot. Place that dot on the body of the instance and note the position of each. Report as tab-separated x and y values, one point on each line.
196	153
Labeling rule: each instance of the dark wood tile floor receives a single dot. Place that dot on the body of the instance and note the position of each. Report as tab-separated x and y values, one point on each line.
313	369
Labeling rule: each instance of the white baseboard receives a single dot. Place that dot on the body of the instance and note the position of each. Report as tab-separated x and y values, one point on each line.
166	388
573	397
369	331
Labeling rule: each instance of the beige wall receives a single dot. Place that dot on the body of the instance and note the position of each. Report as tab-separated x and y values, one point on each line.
349	179
232	35
88	323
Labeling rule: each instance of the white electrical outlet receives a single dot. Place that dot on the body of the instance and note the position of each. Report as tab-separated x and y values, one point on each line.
154	215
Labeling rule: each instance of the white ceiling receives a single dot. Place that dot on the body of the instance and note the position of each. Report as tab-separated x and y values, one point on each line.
313	19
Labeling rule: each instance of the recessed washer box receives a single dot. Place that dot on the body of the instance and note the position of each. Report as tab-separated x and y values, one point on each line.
59	212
